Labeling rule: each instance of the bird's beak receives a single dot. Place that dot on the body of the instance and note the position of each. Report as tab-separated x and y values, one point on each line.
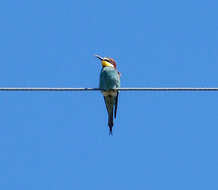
99	57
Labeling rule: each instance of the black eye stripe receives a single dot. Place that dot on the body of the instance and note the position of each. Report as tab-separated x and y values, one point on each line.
107	60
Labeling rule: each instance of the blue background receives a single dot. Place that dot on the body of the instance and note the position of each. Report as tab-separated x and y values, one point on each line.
59	140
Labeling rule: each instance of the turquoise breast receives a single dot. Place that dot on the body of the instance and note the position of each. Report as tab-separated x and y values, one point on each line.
109	79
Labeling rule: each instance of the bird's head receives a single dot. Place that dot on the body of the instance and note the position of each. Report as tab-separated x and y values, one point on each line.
107	62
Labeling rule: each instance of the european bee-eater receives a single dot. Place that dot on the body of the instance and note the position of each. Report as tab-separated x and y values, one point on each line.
109	82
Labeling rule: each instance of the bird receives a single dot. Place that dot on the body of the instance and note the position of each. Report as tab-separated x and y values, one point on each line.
108	84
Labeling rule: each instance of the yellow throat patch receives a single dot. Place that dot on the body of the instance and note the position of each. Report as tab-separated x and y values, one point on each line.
106	64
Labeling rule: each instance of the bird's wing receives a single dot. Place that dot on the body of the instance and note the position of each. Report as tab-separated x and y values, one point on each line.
116	103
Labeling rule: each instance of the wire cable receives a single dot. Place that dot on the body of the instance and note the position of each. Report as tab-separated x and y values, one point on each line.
98	89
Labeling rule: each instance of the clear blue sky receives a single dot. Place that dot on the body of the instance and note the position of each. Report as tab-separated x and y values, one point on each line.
59	140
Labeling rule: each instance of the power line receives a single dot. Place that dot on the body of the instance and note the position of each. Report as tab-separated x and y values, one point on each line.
120	89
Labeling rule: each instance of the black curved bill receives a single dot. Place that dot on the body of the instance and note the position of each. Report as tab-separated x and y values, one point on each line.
99	57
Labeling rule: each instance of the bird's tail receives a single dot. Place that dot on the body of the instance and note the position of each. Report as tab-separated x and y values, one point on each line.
110	101
110	122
